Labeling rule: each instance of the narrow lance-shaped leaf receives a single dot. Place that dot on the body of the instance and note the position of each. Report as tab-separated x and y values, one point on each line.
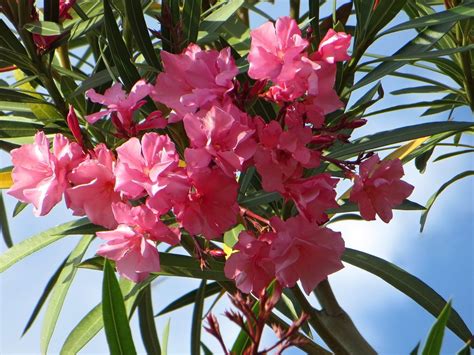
120	54
443	187
116	326
147	322
139	29
197	318
454	14
92	323
4	220
410	285
191	20
39	241
397	135
59	292
189	298
435	337
423	42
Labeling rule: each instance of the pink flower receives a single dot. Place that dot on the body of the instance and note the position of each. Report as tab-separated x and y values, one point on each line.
313	196
303	251
211	206
333	47
282	155
221	137
194	79
93	191
150	167
39	175
276	51
120	103
133	244
378	188
251	267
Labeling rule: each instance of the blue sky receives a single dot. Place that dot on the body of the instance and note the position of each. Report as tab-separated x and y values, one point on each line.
392	323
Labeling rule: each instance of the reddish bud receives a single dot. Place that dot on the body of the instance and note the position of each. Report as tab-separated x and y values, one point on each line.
73	124
322	139
357	123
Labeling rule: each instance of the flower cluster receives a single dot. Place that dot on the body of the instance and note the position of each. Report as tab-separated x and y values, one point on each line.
150	187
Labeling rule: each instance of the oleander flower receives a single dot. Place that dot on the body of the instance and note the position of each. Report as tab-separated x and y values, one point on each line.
210	207
92	192
276	50
303	251
39	175
378	188
194	79
250	265
220	137
132	245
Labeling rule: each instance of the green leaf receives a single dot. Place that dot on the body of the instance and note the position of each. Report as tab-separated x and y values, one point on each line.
59	292
13	126
453	154
423	89
422	43
20	206
452	15
147	322
435	337
232	236
114	314
45	28
139	29
397	135
406	205
4	221
172	265
189	298
191	20
433	198
410	285
44	296
166	334
196	324
7	94
261	198
212	23
422	55
120	54
92	323
37	242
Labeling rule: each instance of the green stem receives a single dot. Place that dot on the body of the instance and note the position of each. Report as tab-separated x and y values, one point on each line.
314	14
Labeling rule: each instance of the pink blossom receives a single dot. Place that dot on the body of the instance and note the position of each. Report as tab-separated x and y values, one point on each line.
333	47
276	51
39	175
305	252
93	193
250	266
211	206
120	103
282	155
150	167
221	137
378	188
194	79
133	243
313	196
